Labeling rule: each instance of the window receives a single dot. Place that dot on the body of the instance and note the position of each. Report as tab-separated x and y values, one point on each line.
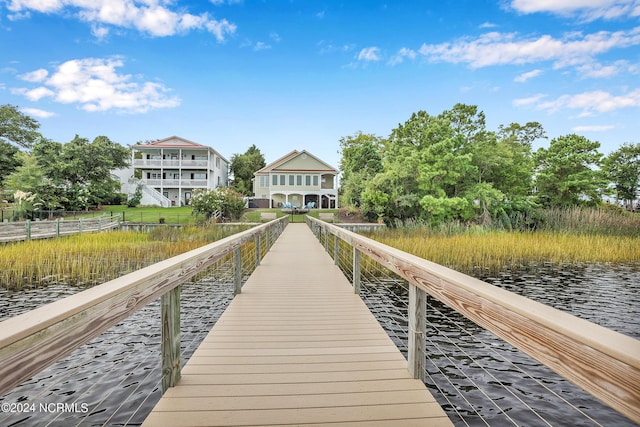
264	181
274	181
291	180
217	162
307	180
315	180
299	180
282	181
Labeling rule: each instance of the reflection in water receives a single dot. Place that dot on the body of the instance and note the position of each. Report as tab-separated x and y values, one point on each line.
479	379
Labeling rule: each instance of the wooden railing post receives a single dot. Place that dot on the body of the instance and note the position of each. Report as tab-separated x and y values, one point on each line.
27	225
170	314
58	227
417	331
237	270
326	239
336	249
257	243
268	236
356	271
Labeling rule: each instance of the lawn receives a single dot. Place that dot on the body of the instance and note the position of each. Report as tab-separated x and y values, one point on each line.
149	214
183	214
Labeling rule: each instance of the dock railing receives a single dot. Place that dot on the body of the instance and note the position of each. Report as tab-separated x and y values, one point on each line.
32	341
602	362
28	230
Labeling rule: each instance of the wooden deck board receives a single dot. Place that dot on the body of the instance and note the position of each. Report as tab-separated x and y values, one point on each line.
297	347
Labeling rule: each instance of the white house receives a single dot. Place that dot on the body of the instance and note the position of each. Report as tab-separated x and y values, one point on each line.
171	169
297	178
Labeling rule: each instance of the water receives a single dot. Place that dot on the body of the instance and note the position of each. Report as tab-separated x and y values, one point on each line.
115	379
479	379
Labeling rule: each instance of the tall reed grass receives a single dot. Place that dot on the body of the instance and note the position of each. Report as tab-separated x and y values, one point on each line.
89	259
562	236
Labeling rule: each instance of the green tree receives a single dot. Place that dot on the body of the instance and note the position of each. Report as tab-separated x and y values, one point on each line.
80	171
9	160
361	160
27	177
567	172
525	135
622	168
17	128
428	167
243	166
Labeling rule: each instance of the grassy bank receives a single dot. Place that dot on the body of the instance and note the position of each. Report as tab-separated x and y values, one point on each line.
496	250
88	259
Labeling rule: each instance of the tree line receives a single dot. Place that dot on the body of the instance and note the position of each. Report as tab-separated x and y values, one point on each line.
51	175
449	166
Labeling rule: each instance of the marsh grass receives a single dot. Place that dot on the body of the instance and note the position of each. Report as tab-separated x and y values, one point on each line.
88	259
560	236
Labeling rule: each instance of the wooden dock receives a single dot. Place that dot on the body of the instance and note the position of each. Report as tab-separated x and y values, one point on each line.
297	347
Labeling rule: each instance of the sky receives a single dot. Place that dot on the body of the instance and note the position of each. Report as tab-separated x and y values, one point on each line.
301	74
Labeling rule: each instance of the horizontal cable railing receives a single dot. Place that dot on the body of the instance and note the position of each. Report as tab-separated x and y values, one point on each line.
604	363
34	340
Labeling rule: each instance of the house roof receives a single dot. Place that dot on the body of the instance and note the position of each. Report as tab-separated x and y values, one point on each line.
177	142
276	165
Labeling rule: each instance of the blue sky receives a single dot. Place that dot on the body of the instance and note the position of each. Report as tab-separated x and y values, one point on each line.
301	74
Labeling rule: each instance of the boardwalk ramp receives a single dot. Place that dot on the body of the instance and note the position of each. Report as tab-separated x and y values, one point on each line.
297	347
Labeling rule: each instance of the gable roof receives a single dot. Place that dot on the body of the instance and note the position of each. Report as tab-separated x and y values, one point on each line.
178	142
281	163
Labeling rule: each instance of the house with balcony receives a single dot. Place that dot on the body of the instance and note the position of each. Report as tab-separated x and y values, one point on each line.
170	169
296	179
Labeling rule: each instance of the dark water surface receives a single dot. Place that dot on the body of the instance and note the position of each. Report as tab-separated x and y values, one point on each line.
479	379
116	378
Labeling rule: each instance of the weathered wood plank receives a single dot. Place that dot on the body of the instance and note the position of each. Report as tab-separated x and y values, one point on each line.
299	415
170	317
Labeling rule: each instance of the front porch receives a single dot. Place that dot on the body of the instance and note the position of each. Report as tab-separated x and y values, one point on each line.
321	200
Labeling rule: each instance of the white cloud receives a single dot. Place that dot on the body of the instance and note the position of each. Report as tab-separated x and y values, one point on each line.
36	112
587	10
522	102
153	17
369	54
526	76
596	70
401	55
95	85
275	37
588	103
261	46
594	128
509	48
487	25
38	93
35	76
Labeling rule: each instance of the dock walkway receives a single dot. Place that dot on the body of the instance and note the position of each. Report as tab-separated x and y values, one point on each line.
297	347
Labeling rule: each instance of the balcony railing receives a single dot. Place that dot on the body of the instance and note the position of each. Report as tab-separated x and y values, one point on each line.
156	163
175	182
